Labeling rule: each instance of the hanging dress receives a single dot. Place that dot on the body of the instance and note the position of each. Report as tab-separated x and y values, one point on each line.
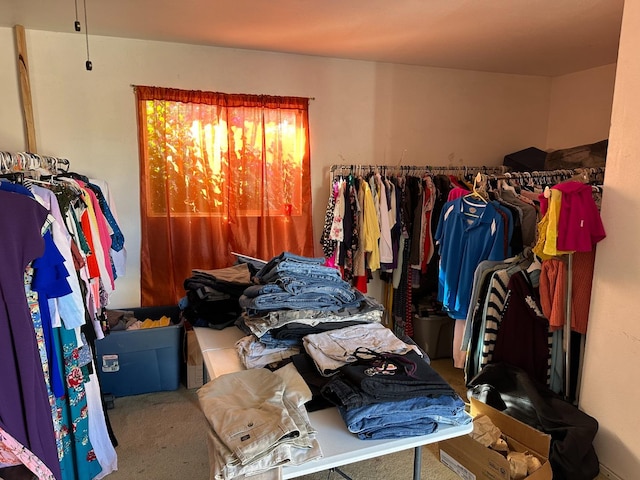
24	405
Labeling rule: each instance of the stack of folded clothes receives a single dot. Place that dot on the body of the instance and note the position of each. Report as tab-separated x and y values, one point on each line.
291	297
383	387
212	295
301	311
264	426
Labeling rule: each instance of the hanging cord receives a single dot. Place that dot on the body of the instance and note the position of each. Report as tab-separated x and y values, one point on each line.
76	24
88	65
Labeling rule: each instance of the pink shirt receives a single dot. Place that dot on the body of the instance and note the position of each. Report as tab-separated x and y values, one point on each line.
457	192
579	225
103	231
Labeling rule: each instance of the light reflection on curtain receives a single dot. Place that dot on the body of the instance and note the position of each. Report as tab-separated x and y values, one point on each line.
219	173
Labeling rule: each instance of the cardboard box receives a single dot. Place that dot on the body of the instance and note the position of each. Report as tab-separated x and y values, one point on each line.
473	461
194	361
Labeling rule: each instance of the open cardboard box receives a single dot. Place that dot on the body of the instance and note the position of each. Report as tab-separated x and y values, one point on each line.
471	460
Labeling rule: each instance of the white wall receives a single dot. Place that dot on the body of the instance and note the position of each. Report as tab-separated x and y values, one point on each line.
368	113
363	112
580	109
611	385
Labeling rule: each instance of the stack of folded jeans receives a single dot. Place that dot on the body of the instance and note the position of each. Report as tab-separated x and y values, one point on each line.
276	322
292	297
294	282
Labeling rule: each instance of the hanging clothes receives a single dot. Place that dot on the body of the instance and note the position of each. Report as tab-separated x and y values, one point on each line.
529	333
469	231
24	404
45	404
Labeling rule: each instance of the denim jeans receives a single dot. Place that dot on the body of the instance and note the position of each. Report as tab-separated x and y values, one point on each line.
271	265
303	301
298	269
411	417
270	341
341	289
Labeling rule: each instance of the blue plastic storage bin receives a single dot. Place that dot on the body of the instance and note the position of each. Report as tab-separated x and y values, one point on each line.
133	362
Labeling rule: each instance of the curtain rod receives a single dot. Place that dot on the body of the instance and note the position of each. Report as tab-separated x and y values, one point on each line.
254	94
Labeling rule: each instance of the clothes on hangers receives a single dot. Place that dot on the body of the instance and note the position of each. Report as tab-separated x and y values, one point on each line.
545	305
58	295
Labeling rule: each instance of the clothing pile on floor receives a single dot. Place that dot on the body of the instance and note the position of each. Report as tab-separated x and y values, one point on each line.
302	316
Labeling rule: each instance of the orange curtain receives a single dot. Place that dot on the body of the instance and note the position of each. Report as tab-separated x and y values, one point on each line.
219	173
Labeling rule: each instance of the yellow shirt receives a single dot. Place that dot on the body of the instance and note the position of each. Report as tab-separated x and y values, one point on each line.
550	245
371	229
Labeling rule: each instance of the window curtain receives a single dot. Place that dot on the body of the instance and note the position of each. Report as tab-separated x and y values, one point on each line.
219	173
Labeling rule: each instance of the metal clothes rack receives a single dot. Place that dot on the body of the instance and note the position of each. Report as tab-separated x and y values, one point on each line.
552	177
12	162
547	178
464	171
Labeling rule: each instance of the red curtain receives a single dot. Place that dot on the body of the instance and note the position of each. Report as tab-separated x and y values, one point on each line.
219	173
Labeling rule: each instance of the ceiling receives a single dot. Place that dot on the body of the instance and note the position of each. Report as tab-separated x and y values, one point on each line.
530	37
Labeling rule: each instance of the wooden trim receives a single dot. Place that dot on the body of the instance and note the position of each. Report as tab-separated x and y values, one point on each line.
25	88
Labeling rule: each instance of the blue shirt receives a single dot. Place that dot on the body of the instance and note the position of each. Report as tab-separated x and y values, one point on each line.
469	231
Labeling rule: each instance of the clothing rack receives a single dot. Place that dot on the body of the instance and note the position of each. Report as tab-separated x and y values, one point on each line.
481	176
11	162
594	175
457	170
551	177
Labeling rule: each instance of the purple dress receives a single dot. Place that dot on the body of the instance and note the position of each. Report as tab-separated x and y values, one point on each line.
24	404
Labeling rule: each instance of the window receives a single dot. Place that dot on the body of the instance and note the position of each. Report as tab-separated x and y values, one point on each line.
220	173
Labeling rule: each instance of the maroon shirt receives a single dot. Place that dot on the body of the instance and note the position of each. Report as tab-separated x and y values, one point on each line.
523	336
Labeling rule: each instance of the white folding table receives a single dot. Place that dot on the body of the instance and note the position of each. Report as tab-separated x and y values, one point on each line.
339	446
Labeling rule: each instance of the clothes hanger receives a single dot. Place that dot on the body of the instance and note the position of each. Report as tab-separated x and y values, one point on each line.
505	185
475	193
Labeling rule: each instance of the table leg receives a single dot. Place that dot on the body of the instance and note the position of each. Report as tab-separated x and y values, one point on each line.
339	472
417	462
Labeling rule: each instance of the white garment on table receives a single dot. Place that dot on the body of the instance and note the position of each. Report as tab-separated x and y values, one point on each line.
335	348
255	354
